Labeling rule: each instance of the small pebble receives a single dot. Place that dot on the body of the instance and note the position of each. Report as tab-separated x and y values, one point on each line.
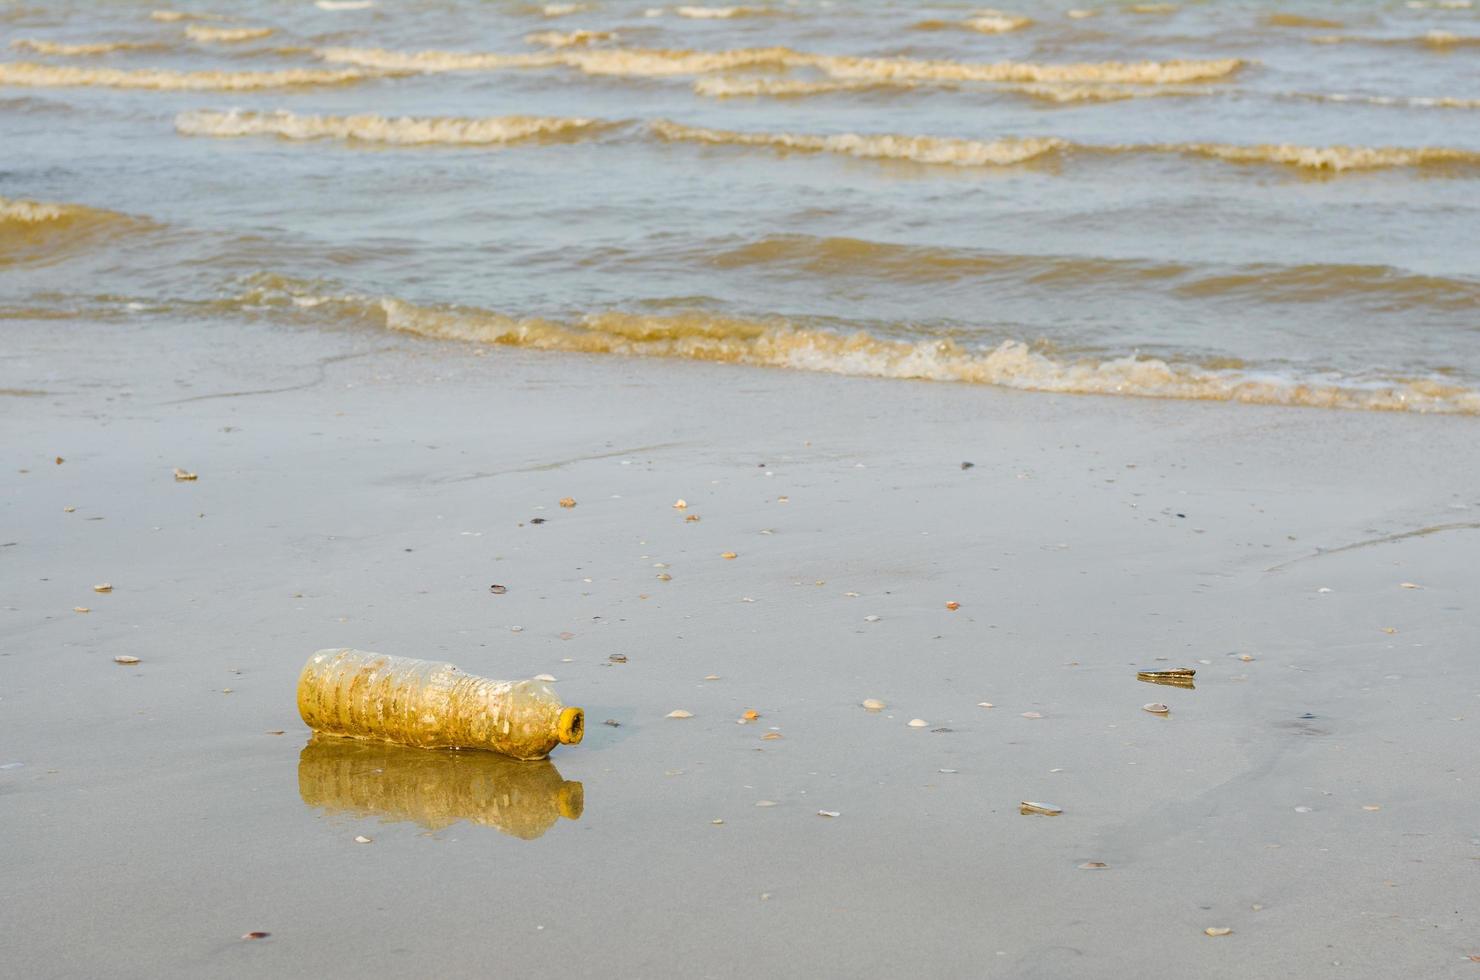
1217	931
716	822
125	659
69	510
664	577
871	619
362	839
874	704
680	713
953	606
919	723
728	555
567	502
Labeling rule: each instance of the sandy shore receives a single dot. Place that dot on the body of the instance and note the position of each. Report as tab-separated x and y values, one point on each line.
359	489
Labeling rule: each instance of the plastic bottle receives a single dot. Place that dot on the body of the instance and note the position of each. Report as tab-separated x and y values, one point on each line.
435	789
432	705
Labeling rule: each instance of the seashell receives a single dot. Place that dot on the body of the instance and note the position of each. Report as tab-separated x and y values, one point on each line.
1217	931
125	659
103	587
1156	708
1044	809
680	504
828	813
680	713
182	476
919	723
874	704
953	606
728	555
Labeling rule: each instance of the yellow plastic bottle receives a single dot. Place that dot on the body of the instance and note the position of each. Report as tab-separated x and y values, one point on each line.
435	789
432	705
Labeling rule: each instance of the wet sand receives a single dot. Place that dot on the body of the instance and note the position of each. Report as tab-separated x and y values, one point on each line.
358	489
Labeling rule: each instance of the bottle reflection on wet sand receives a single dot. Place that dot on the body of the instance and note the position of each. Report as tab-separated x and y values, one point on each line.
435	788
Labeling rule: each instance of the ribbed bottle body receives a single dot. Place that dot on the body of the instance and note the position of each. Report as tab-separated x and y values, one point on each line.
429	704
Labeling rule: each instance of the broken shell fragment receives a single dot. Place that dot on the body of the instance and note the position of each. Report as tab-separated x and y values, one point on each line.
1044	809
80	609
362	839
1217	931
751	715
953	606
874	704
919	723
680	713
680	504
1156	708
1031	714
103	587
498	589
829	813
728	555
183	476
125	659
1174	677
691	518
1093	866
664	577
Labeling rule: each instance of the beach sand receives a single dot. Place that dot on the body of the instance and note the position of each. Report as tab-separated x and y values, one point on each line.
365	490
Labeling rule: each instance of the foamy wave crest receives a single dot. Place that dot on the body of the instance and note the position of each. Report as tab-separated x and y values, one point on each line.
919	149
1072	92
1113	72
434	61
569	39
640	62
777	343
563	9
728	87
225	35
1329	158
38	229
1405	101
725	87
403	130
996	22
173	16
51	76
80	50
725	13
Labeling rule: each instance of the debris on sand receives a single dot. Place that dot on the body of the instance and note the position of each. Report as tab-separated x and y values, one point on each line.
1043	809
567	502
680	713
184	476
124	658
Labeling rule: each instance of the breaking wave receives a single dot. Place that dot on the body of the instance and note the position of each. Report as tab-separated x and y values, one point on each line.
569	39
779	343
226	35
402	130
1007	151
725	13
1404	101
52	76
32	230
1441	40
640	62
919	149
731	87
